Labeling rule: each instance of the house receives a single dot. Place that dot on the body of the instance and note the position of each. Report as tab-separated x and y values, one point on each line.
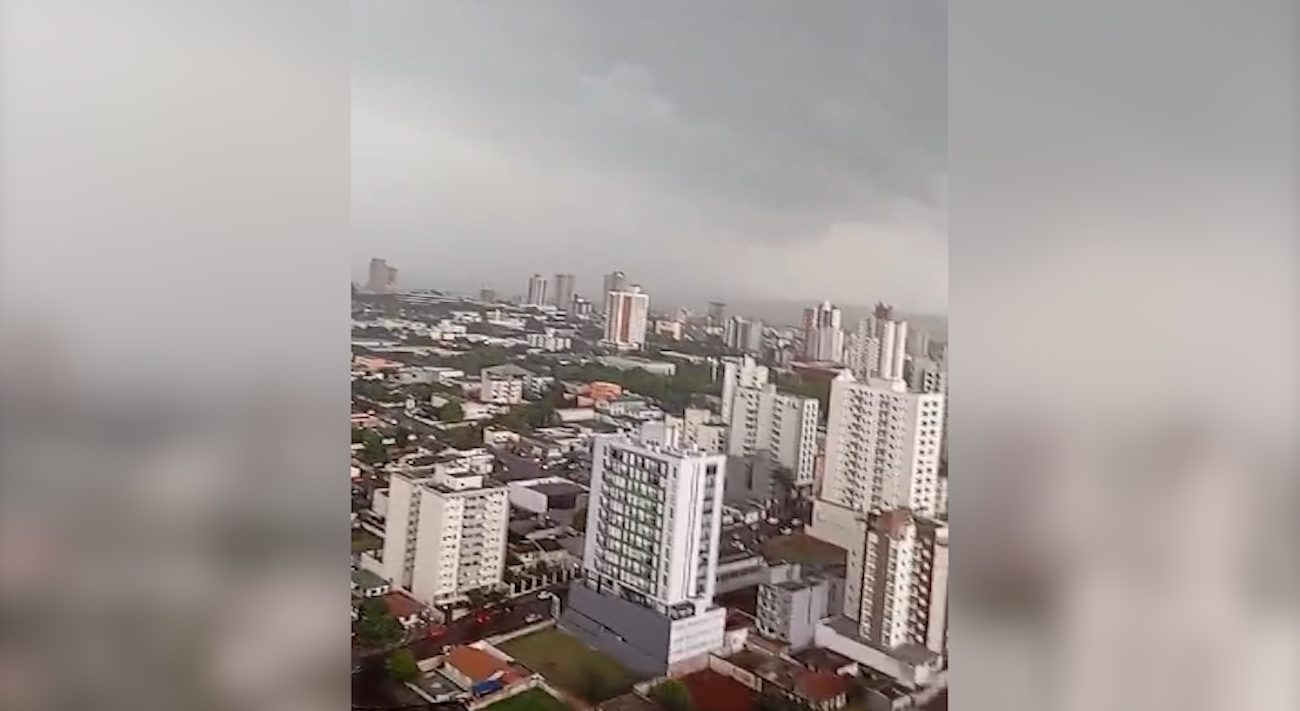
468	666
367	584
408	611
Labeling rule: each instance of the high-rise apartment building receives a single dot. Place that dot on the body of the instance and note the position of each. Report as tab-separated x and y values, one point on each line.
918	343
651	557
822	333
891	336
927	376
626	313
536	290
564	290
381	278
445	535
882	452
717	313
613	281
744	334
862	350
895	598
779	427
742	372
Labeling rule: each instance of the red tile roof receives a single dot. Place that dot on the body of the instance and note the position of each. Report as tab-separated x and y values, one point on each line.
818	686
401	605
715	692
475	663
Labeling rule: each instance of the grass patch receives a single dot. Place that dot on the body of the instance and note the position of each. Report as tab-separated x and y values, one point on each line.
804	549
571	665
363	540
531	700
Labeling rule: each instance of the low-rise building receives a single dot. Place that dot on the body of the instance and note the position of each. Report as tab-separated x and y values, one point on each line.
503	384
654	367
551	493
408	611
789	611
367	584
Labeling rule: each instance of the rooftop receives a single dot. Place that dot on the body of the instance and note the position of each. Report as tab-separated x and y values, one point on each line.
556	488
818	686
715	692
509	370
820	659
366	579
475	663
402	605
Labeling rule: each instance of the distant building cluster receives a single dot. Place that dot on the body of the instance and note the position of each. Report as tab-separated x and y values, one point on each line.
750	507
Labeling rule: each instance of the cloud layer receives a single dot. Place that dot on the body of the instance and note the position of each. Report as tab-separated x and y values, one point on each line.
742	150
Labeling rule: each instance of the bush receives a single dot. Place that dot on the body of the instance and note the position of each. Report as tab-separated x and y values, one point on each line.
673	696
401	665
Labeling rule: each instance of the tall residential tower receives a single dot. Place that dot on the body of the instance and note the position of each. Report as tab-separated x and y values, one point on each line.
650	563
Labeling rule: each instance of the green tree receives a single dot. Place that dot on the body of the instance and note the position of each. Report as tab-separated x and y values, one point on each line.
375	626
451	412
373	450
464	437
401	665
673	696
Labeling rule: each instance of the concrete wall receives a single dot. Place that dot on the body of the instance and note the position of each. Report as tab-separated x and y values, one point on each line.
634	635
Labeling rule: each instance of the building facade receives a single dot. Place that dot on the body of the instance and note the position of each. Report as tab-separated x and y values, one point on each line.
562	294
883	451
626	317
651	556
503	384
823	335
779	427
537	290
744	334
882	447
613	281
789	611
444	535
738	373
381	278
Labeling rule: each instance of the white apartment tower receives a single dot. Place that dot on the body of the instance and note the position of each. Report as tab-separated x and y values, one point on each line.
862	350
626	313
444	535
780	427
536	290
737	373
882	452
882	446
650	563
613	281
898	594
891	335
564	291
823	337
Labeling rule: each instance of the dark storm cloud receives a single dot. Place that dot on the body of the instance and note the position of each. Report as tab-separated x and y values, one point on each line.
774	150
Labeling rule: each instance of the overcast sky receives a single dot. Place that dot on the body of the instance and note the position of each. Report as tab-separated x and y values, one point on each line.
734	150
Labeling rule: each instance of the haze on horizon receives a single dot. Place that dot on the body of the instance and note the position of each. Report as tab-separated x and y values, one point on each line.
746	151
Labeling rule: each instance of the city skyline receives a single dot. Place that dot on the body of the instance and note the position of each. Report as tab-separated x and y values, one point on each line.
733	179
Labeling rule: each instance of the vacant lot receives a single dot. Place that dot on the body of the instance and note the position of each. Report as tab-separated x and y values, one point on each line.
531	700
571	665
804	549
